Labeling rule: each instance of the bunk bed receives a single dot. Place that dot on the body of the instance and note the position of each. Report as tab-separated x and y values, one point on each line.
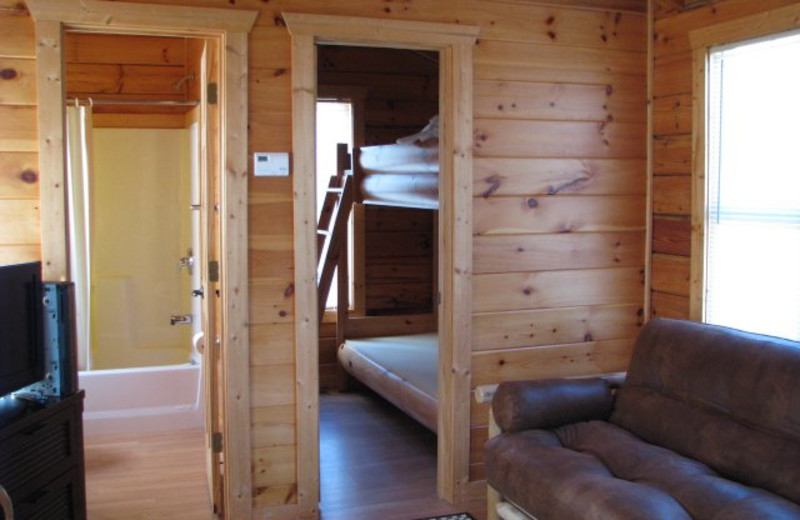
403	174
402	369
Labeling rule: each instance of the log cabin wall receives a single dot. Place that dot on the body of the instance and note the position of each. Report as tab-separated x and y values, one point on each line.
133	68
672	141
20	239
559	182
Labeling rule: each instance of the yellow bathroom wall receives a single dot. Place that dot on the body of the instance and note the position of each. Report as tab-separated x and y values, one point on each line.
140	229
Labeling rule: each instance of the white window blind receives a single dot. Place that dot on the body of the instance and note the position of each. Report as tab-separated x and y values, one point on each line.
753	213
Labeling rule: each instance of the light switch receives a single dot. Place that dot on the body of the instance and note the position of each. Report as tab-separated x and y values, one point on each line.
274	164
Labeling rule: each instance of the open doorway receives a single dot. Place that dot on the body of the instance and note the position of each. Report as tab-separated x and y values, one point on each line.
226	143
141	185
454	43
378	370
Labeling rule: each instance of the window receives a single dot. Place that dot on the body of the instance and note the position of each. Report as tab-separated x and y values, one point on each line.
334	126
752	214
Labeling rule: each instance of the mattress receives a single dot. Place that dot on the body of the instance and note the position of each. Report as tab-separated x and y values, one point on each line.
402	369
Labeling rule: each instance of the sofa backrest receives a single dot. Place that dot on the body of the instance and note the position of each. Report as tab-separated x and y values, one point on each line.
727	398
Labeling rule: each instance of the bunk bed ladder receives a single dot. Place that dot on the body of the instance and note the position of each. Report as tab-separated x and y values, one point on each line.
332	232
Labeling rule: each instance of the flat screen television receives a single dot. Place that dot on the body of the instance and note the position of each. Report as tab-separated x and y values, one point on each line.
21	326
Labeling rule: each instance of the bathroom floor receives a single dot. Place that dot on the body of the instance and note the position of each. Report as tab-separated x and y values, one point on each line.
158	476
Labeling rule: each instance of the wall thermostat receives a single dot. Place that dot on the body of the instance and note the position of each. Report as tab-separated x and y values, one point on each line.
271	164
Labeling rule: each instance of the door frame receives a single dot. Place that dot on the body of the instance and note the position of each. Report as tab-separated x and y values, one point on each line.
455	46
230	27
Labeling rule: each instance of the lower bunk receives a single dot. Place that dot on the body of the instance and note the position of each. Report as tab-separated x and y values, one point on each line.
402	369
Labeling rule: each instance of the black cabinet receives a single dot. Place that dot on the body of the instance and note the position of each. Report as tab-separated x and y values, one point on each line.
41	458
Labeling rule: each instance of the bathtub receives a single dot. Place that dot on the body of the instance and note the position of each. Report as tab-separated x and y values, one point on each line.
142	400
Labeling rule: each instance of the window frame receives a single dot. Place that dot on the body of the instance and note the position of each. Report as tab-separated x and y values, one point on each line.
356	95
768	23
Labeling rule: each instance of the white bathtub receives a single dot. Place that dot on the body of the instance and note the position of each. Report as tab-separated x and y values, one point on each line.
142	400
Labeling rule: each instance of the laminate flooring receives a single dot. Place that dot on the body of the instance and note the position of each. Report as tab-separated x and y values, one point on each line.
143	477
376	463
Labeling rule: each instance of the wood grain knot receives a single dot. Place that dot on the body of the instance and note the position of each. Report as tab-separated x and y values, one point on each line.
8	73
29	176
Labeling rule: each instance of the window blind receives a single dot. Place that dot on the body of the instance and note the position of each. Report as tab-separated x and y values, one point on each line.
752	267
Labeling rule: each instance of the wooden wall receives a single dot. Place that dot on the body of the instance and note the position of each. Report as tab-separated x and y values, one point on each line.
672	141
559	208
20	238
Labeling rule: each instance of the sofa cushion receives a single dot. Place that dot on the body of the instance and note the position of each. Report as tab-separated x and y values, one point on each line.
545	403
724	397
596	470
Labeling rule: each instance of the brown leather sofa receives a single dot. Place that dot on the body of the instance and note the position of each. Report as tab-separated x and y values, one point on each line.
705	426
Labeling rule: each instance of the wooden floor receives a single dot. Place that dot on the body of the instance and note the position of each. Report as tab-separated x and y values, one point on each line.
376	462
147	477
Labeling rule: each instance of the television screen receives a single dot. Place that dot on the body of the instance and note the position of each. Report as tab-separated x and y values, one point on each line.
21	330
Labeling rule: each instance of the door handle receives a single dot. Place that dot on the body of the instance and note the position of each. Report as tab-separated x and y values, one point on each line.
187	262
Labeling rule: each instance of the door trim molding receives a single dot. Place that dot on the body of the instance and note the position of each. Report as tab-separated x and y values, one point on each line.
455	46
52	18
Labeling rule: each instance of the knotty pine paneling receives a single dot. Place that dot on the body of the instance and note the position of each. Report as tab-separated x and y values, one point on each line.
672	115
19	175
557	101
547	252
130	68
514	215
17	81
18	128
672	155
19	170
672	235
568	139
18	35
529	328
672	194
124	50
670	274
496	176
500	60
554	289
591	51
577	359
20	218
670	305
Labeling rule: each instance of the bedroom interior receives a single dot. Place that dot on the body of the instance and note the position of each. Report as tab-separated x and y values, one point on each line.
571	211
391	245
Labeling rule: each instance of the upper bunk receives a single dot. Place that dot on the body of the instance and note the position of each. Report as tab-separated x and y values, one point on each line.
402	175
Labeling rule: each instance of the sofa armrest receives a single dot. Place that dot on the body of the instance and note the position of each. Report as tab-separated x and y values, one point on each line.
549	403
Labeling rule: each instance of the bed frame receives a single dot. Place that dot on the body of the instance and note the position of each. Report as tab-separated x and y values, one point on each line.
416	396
399	175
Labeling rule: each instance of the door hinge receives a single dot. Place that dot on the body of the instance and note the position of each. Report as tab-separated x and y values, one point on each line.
211	93
213	271
216	442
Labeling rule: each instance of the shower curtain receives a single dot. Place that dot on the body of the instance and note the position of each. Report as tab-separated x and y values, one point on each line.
79	166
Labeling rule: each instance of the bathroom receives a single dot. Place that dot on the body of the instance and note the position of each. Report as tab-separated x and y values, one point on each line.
134	201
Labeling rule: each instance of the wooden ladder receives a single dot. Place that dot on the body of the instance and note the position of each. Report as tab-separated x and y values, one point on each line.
332	233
